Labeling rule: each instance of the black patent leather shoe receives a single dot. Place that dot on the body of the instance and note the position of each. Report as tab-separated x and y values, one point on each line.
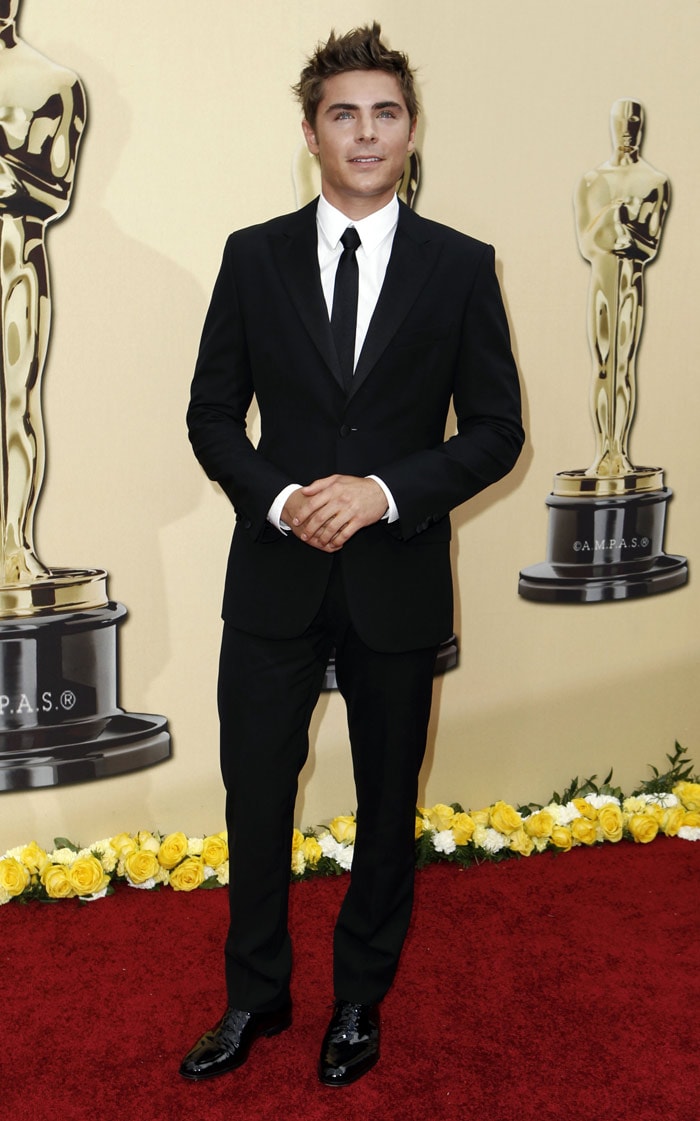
226	1046
351	1044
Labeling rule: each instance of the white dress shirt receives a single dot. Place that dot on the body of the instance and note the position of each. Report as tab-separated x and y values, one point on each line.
377	238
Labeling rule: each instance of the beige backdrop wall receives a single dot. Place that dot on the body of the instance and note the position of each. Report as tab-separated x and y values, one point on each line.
191	134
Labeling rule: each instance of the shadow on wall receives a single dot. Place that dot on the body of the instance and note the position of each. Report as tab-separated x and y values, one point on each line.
125	334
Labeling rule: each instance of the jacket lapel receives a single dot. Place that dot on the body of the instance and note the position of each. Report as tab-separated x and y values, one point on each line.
413	257
295	250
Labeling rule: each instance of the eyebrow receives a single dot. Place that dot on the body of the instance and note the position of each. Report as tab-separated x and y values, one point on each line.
351	105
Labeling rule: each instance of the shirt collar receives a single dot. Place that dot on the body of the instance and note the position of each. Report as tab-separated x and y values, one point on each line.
373	229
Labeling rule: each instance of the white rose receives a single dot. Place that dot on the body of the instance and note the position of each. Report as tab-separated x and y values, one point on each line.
599	800
489	839
563	815
689	832
444	841
342	854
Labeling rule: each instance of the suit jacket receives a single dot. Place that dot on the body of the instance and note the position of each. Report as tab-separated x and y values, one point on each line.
439	334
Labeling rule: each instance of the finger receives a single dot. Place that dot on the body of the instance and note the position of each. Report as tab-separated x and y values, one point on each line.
323	525
319	485
312	512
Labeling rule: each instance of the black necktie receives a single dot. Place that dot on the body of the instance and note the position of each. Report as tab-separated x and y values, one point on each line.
344	314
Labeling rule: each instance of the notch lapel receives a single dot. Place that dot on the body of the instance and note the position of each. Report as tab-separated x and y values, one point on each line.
412	260
295	251
413	257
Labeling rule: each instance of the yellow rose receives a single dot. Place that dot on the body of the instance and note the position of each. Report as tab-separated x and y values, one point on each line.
643	828
561	837
520	842
504	818
611	821
123	844
440	817
692	819
343	829
586	809
539	824
480	817
33	857
689	794
298	858
673	818
14	877
173	849
55	880
312	850
462	828
188	875
214	850
147	841
86	875
584	831
634	805
141	866
653	809
420	826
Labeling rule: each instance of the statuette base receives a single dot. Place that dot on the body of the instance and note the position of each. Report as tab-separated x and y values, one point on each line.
640	480
59	717
602	549
60	589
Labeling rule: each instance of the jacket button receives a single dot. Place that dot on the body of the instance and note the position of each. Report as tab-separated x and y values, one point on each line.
345	430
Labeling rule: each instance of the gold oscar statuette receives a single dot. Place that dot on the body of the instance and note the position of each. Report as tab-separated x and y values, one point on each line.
59	719
606	524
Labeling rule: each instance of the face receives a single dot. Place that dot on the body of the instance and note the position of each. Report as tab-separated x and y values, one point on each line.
361	136
626	120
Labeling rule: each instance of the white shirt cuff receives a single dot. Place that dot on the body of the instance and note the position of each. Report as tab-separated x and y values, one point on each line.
392	514
274	514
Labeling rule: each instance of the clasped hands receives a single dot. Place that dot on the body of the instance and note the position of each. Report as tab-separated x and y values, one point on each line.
326	513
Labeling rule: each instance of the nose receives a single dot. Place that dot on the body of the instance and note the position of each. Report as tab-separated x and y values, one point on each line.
366	129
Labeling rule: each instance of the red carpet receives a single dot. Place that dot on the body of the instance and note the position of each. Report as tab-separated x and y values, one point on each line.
562	986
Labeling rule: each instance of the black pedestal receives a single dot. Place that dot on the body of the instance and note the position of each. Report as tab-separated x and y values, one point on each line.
604	549
59	717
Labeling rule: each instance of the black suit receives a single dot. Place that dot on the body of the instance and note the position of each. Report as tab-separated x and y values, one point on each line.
438	334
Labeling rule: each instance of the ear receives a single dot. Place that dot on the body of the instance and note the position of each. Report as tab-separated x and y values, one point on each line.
412	135
310	137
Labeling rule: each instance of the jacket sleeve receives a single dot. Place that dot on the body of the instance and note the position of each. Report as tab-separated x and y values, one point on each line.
429	483
220	397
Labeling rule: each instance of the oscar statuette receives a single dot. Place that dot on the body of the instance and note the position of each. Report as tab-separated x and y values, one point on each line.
59	717
606	523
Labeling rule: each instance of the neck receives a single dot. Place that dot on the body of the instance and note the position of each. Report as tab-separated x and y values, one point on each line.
624	156
355	209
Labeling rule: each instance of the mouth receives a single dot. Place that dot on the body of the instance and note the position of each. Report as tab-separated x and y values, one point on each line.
365	160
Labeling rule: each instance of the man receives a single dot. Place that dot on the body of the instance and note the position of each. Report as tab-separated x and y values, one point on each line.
342	533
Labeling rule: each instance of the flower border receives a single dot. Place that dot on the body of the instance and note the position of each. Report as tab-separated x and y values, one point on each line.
586	814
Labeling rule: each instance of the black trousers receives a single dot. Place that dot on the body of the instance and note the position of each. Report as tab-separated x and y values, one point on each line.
268	689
